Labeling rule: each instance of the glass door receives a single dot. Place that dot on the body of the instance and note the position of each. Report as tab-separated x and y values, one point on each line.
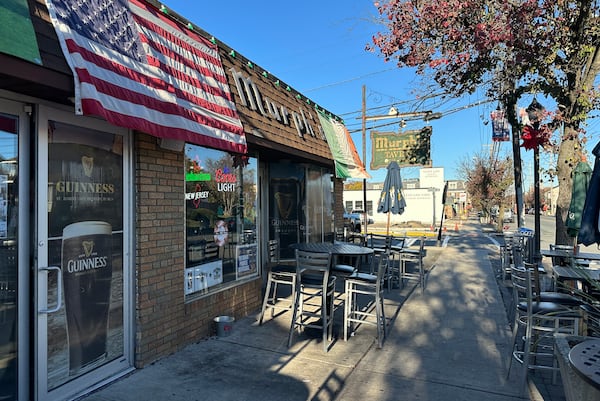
83	280
13	320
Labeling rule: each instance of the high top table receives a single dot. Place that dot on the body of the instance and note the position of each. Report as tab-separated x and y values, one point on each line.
560	253
585	360
334	248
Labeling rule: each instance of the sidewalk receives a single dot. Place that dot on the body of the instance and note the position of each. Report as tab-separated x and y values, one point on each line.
449	343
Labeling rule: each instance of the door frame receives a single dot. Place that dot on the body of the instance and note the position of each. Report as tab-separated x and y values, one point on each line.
23	111
116	368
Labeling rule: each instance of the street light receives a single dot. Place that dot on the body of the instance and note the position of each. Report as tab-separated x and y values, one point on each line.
535	113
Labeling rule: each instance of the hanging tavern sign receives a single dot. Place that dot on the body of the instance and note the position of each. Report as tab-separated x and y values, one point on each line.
408	148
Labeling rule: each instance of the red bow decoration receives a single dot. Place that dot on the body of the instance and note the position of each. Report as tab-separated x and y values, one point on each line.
533	138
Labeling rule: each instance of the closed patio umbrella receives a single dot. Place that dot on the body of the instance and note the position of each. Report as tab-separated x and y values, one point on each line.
589	232
391	199
581	180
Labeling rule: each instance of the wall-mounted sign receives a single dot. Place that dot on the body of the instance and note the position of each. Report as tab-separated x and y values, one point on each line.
301	118
409	148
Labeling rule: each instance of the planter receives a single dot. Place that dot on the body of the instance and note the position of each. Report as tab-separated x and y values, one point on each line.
576	387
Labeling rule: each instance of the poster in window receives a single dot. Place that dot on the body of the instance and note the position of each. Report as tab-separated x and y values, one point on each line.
284	214
85	229
246	260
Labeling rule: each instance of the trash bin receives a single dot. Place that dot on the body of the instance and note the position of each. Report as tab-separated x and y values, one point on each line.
224	325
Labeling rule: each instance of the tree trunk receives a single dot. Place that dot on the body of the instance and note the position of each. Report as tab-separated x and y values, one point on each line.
568	157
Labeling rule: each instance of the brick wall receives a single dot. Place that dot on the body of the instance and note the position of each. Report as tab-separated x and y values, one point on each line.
338	193
164	323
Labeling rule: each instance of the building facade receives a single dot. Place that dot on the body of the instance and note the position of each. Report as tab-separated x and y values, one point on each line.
423	198
121	245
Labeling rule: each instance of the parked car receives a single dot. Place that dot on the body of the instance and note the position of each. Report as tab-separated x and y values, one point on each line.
508	216
352	221
362	216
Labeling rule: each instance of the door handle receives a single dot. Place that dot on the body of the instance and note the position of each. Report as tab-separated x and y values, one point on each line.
58	289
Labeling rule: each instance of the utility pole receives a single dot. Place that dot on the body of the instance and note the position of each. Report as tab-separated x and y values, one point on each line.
393	113
364	152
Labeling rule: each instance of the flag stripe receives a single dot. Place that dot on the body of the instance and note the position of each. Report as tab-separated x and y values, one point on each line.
155	35
167	48
106	90
160	131
139	69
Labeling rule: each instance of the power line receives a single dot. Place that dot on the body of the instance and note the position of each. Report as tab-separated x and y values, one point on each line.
348	80
444	113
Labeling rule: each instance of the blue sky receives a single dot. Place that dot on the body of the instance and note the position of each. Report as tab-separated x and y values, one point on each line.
318	48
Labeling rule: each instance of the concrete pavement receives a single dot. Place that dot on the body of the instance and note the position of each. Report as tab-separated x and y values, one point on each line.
450	342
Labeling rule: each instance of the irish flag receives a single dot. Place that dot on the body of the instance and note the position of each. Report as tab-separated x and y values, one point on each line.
347	162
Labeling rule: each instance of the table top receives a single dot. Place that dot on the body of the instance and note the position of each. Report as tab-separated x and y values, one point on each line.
585	359
336	248
566	254
581	273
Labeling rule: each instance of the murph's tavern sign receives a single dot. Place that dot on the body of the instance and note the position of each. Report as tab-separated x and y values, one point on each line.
409	148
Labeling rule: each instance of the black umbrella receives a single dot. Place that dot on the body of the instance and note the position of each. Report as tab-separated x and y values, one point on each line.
589	232
581	181
391	199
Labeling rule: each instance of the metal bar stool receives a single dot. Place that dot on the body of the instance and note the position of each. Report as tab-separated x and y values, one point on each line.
367	286
313	302
539	321
278	274
416	257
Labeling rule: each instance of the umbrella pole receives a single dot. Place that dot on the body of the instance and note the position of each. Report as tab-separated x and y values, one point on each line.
439	237
388	225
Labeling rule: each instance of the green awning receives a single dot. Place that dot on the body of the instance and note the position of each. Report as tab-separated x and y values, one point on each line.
17	36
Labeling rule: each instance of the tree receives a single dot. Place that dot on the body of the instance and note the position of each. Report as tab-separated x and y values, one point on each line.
487	180
548	47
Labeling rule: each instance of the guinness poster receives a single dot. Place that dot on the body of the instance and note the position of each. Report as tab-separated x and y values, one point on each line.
284	219
84	181
85	238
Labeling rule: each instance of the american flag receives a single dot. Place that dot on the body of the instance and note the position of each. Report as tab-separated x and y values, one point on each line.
139	69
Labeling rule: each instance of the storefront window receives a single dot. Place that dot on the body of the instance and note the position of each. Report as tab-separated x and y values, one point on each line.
300	205
318	205
221	215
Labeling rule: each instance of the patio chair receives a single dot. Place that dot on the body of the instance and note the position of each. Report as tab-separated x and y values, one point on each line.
394	273
313	301
278	274
506	254
561	298
414	257
364	299
538	321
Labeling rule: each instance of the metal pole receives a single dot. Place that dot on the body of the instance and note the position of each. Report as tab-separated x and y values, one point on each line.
517	172
536	201
364	152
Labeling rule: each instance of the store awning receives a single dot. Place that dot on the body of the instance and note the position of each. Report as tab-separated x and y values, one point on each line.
139	69
347	162
18	38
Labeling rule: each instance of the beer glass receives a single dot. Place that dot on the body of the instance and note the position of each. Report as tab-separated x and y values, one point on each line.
87	276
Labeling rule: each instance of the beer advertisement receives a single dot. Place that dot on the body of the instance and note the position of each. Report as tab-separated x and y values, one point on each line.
85	230
285	206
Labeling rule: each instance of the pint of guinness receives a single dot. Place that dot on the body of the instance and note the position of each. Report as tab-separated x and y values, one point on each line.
87	275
